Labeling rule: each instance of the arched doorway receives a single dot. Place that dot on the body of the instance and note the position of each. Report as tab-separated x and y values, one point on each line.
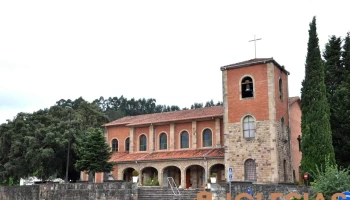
149	176
127	174
195	175
173	172
219	170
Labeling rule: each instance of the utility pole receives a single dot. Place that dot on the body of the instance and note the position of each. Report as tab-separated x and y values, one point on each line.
254	43
69	141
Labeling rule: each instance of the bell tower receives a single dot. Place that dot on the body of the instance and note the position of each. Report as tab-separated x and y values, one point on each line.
256	120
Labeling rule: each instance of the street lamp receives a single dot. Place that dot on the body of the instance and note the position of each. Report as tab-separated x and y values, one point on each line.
67	164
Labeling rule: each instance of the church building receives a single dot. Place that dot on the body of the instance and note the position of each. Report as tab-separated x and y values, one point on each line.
255	134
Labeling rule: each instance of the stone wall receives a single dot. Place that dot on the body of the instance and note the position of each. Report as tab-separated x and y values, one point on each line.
20	192
285	170
265	189
258	149
88	191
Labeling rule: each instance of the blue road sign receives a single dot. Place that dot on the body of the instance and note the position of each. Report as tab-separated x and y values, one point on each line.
230	170
347	195
249	191
230	177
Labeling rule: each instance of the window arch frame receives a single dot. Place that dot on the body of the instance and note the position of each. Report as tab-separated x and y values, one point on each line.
117	145
188	139
250	172
125	149
160	141
243	126
211	137
139	147
252	86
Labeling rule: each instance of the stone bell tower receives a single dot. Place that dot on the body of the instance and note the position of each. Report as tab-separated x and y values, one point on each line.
256	121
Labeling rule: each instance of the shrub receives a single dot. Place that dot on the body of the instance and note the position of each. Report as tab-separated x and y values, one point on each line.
209	180
152	182
213	175
330	180
135	173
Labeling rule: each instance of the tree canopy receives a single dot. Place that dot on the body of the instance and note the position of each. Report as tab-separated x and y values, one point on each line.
36	144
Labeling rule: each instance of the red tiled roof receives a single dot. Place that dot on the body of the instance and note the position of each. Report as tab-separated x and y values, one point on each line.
216	111
256	61
168	155
292	100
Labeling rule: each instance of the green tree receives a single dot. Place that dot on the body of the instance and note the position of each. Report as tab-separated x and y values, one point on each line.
330	180
94	153
341	110
334	75
317	138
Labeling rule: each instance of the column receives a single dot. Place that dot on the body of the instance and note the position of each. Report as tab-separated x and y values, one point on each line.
194	135
150	138
132	141
183	177
172	136
217	133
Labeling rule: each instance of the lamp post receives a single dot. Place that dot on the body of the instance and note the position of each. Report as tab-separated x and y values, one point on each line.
67	164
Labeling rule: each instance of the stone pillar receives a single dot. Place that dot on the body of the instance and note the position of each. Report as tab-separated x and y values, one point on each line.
132	141
150	138
217	133
106	134
172	137
194	135
183	178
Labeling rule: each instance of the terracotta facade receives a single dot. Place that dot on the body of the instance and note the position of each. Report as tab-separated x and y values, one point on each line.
217	136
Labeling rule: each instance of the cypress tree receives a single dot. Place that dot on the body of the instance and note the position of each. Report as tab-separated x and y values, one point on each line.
342	110
334	75
316	130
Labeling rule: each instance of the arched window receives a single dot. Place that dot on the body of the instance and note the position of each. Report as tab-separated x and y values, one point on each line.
127	144
207	138
280	89
114	145
163	144
143	143
250	170
184	143
247	87
248	127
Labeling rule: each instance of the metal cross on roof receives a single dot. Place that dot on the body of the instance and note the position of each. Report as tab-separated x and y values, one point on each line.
255	43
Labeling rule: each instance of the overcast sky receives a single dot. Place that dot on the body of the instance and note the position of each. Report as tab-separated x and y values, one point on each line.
168	50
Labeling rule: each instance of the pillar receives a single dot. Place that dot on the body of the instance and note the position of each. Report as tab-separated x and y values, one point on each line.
150	138
132	139
217	133
194	135
172	136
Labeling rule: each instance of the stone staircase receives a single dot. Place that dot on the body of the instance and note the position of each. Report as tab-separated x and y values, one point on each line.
159	193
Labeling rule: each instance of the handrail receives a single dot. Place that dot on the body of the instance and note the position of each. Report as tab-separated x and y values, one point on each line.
173	185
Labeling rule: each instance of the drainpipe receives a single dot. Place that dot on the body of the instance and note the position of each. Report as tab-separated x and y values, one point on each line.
206	163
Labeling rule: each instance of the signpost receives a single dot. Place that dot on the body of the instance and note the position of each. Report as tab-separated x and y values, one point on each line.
306	177
347	195
230	172
249	191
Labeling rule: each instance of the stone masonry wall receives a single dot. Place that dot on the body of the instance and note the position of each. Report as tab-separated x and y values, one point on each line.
88	191
258	149
284	154
266	189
